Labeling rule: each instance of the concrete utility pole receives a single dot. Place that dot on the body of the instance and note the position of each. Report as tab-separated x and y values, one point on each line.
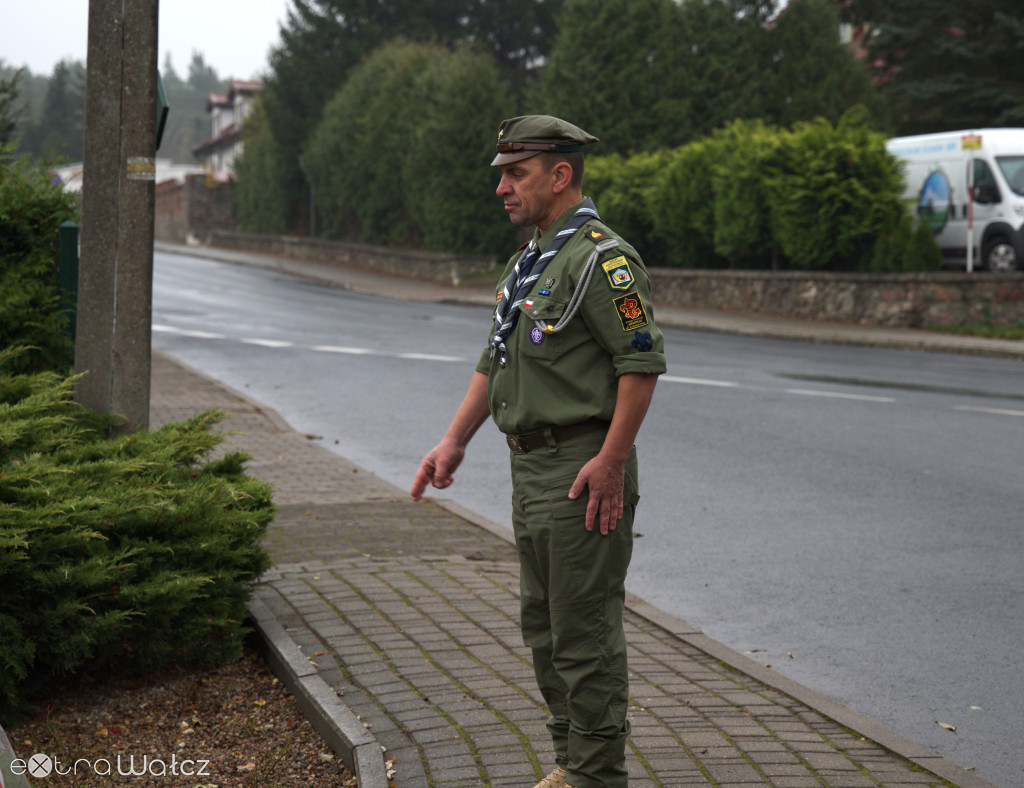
115	292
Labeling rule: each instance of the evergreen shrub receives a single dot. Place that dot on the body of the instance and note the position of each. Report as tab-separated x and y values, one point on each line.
258	206
833	192
816	196
401	155
621	189
744	153
32	208
448	184
131	551
683	207
906	245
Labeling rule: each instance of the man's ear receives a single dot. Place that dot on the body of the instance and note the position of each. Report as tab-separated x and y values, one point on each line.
562	176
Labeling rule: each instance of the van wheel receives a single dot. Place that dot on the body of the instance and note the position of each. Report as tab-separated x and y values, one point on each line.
1000	255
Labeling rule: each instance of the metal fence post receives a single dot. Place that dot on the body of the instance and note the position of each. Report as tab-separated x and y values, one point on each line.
67	272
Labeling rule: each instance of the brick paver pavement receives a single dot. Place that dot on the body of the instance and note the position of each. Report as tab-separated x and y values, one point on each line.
409	613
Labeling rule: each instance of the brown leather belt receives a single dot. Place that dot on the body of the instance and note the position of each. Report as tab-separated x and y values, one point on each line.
522	444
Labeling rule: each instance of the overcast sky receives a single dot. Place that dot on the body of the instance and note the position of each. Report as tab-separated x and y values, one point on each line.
234	36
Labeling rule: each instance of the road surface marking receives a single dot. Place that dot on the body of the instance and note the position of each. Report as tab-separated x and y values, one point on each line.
839	395
991	411
353	351
699	382
429	357
186	333
267	343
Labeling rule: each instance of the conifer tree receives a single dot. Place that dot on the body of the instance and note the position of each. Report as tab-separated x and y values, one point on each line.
60	129
619	70
322	40
945	64
10	109
811	73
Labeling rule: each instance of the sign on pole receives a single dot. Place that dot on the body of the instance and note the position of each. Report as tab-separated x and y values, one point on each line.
970	142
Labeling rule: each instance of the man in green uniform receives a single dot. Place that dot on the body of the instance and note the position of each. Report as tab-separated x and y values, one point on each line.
570	367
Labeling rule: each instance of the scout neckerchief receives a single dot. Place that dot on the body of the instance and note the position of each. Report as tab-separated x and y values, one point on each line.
528	268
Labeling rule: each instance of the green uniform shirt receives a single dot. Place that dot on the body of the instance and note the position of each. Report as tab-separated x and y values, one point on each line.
563	378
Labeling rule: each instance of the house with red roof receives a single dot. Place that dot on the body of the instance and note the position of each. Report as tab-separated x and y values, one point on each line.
227	113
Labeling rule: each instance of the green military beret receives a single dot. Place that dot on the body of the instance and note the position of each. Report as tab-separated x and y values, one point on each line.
526	136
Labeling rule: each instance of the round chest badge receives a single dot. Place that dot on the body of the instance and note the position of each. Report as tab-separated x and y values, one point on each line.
536	335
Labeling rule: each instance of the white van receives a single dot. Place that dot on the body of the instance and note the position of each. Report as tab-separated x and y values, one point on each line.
938	170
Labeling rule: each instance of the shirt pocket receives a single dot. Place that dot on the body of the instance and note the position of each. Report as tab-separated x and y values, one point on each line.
535	314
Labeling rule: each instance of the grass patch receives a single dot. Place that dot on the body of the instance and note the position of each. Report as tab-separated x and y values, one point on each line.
984	329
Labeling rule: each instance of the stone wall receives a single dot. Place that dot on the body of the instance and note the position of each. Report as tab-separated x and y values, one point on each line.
170	220
193	210
436	266
894	300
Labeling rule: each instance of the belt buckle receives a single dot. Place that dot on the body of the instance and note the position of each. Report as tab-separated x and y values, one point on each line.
515	443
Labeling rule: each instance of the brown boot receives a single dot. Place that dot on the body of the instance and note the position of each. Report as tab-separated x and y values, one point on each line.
554	780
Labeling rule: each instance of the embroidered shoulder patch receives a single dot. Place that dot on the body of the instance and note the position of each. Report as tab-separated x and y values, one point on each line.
595	235
620	277
642	341
631	312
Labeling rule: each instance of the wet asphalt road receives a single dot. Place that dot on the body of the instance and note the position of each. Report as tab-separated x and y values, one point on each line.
850	516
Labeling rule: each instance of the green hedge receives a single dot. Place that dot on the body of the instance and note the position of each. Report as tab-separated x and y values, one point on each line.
401	155
128	552
31	209
621	188
816	196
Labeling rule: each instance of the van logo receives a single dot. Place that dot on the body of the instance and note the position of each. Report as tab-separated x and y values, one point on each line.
935	203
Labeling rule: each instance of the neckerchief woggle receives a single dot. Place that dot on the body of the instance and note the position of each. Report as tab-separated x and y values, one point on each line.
527	270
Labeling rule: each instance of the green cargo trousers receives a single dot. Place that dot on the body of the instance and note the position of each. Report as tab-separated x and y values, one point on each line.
572	597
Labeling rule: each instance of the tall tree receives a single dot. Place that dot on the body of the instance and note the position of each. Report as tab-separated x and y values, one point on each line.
945	64
169	73
202	77
188	122
728	58
10	107
629	88
401	155
673	72
518	34
60	128
316	52
259	209
811	73
322	40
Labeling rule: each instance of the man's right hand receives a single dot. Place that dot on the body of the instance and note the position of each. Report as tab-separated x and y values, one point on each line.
442	461
437	468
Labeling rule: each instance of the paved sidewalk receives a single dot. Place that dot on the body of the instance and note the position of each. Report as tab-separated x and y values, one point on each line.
396	625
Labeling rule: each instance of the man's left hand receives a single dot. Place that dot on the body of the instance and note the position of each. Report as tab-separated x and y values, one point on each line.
605	480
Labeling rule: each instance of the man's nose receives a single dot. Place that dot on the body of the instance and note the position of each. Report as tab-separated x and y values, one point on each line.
503	187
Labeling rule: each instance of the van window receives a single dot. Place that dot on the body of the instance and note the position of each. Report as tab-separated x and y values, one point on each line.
986	191
1013	170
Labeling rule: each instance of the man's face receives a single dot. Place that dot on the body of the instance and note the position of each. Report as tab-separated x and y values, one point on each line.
527	190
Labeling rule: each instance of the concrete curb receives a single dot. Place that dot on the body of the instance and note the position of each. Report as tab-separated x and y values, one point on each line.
332	719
